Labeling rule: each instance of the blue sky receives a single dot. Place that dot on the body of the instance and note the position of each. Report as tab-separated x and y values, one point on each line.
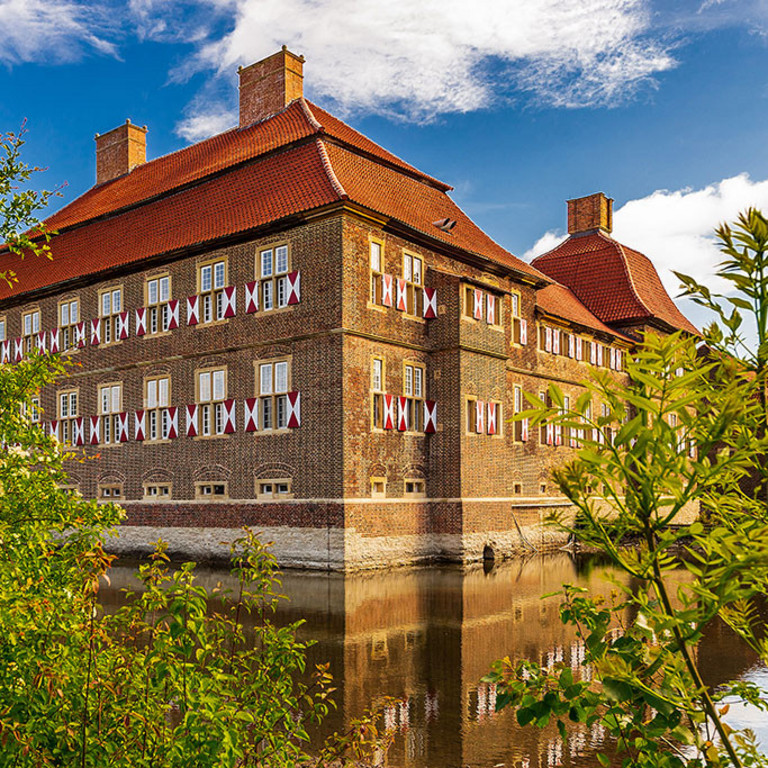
519	104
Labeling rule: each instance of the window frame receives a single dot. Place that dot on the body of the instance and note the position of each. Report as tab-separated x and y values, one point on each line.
158	410
276	399
157	496
415	494
275	280
273	495
214	295
108	322
101	489
211	410
30	339
67	329
108	420
3	328
414	291
201	484
415	402
377	395
66	423
378	494
375	277
157	312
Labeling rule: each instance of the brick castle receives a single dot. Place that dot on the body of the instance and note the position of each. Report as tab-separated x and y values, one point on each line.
287	327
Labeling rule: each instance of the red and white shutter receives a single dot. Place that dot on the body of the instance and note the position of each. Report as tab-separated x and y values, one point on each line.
430	303
571	345
524	431
191	411
294	409
230	301
41	347
386	290
599	354
579	348
548	339
491	418
172	414
250	409
389	411
193	317
430	416
294	287
251	297
402	414
78	431
490	309
402	294
555	341
229	417
139	422
122	427
619	359
5	351
523	331
54	334
592	352
80	334
95	429
477	312
122	325
479	416
550	434
558	434
95	332
18	345
173	311
53	428
141	321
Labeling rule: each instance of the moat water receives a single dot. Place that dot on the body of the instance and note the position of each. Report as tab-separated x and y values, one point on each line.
426	637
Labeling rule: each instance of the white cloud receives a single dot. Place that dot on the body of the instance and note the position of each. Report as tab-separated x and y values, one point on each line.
420	60
51	31
202	125
675	229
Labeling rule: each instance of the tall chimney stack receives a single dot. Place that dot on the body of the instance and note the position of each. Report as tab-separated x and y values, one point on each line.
587	214
269	85
120	150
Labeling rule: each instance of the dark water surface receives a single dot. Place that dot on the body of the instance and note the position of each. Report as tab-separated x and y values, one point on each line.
426	636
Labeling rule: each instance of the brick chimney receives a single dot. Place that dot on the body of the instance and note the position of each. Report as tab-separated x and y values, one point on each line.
587	214
269	85
119	151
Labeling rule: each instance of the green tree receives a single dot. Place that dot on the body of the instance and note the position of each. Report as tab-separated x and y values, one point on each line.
177	677
686	432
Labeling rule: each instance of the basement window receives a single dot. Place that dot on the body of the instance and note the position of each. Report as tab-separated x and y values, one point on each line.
415	488
155	491
274	489
211	490
110	491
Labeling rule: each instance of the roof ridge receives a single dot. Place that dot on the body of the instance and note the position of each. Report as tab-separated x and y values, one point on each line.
310	115
630	277
332	177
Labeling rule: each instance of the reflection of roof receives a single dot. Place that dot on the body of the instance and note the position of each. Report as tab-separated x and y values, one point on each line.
558	300
617	284
300	159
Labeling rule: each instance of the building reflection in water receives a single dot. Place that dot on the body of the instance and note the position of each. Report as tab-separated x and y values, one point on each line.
425	637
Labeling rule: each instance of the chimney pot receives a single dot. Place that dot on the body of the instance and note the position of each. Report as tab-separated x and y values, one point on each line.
590	213
269	85
119	151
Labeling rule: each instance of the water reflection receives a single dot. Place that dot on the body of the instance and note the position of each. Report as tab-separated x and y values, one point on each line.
426	636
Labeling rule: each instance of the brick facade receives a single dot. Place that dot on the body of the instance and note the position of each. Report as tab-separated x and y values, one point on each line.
339	487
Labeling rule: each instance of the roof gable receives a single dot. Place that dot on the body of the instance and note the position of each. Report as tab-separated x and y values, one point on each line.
617	284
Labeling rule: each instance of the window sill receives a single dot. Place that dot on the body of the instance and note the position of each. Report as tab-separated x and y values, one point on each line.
277	431
209	324
376	307
211	437
159	334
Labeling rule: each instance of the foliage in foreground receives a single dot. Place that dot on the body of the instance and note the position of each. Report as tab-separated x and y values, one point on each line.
688	431
176	677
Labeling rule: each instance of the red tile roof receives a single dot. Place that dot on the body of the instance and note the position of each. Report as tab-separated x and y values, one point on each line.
617	284
558	300
299	159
